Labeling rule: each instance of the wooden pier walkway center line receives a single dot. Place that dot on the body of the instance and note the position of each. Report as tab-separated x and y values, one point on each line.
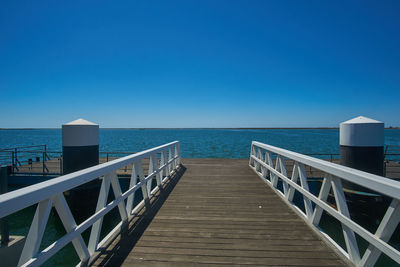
218	212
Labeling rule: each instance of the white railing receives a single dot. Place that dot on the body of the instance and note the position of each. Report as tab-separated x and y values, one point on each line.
163	162
262	161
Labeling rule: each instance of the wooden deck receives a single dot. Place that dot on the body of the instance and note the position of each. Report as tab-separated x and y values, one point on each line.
218	212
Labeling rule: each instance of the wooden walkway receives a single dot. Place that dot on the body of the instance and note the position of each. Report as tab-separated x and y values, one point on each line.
218	212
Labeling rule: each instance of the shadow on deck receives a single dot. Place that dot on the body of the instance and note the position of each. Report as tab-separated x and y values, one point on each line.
217	212
121	245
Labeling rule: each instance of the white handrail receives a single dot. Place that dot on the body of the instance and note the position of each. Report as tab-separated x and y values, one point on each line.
262	162
50	194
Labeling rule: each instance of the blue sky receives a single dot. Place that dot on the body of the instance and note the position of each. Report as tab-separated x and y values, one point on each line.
199	63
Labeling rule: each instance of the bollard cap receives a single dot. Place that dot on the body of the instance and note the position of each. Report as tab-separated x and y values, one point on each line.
362	132
80	122
80	132
361	119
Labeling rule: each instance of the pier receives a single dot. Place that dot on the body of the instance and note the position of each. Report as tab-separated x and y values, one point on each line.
220	212
211	211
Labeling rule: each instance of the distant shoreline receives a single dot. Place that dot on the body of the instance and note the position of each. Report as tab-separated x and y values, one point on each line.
207	128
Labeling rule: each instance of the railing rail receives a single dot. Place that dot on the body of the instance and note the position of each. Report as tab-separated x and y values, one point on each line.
18	156
164	161
262	157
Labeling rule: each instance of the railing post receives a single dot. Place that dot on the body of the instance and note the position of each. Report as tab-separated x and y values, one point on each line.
175	154
349	236
164	161
251	161
101	203
16	155
4	221
45	152
173	158
36	231
384	232
43	159
178	148
169	163
61	164
13	161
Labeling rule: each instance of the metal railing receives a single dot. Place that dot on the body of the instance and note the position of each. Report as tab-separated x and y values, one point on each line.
35	159
24	155
392	149
262	157
163	162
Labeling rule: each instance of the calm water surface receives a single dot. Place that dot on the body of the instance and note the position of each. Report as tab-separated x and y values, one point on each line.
196	143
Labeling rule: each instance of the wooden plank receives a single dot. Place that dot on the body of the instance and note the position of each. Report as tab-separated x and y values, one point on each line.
219	213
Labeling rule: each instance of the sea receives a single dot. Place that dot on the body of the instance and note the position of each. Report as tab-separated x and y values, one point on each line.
195	143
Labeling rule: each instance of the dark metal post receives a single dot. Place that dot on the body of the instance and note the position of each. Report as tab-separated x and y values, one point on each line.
44	155
45	152
61	164
13	162
3	221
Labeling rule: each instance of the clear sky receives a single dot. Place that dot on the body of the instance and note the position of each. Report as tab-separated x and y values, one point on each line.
199	63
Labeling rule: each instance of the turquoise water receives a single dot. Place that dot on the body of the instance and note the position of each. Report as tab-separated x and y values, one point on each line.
196	143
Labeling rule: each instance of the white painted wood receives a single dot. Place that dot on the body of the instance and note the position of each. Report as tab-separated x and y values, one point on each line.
27	196
252	153
323	196
385	230
258	155
376	183
178	153
349	236
173	150
60	243
101	203
36	231
304	184
384	247
151	169
169	159
140	171
278	169
69	223
117	193
332	178
51	192
271	164
295	176
262	158
163	161
156	167
175	153
284	173
133	181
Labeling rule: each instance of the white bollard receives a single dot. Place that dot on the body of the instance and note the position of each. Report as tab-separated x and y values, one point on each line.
361	144
80	141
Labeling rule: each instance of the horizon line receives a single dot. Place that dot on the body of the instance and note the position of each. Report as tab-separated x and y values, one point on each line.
183	128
